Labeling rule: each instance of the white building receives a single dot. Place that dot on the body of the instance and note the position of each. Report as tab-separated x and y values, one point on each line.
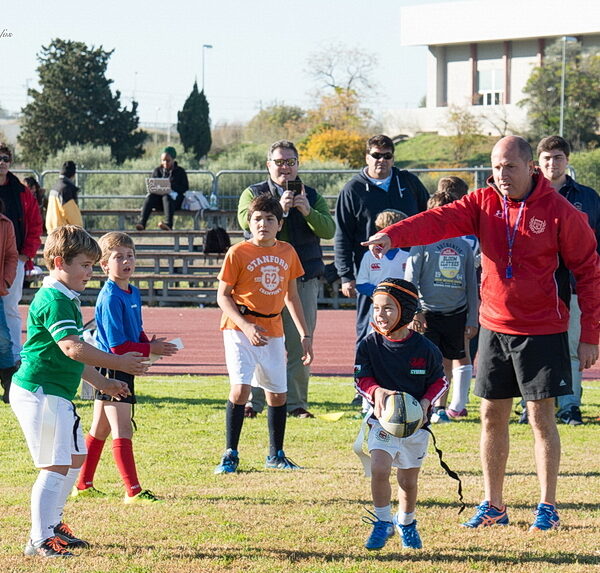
481	53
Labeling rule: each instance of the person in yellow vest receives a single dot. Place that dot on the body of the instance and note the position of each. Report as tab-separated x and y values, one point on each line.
62	201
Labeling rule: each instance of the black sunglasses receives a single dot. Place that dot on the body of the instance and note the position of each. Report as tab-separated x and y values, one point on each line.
5	158
377	155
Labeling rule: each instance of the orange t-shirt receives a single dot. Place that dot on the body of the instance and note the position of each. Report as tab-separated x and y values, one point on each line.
260	277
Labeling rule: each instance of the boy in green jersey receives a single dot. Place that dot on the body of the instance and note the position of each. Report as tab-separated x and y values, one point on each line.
54	359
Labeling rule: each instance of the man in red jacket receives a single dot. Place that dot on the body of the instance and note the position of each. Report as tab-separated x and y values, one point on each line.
525	230
22	209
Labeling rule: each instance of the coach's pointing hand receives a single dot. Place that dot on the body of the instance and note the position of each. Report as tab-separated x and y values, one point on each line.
379	244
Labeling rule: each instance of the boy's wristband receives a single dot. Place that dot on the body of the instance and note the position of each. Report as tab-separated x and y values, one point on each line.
307	336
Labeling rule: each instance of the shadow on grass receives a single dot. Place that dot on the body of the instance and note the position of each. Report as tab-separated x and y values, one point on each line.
367	503
480	555
163	401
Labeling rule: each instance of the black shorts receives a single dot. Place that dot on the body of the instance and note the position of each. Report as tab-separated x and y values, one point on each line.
117	375
534	367
447	332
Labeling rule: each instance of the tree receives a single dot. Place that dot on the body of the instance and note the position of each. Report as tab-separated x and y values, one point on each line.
343	69
344	79
340	110
466	127
76	105
193	124
582	95
276	121
335	145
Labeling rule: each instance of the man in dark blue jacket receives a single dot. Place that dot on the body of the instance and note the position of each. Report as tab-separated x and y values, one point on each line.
377	187
553	159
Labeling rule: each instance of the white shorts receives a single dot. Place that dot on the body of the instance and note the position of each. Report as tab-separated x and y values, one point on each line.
406	452
259	366
48	423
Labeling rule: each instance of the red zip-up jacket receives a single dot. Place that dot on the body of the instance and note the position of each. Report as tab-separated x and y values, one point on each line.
528	303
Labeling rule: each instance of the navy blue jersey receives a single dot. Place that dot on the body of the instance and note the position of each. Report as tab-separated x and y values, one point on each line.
411	365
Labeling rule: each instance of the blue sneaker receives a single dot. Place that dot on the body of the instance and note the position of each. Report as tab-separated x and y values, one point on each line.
229	462
487	515
546	518
440	416
281	462
409	534
382	531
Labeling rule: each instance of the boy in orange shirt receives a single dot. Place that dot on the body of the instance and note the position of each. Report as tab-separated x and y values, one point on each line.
257	278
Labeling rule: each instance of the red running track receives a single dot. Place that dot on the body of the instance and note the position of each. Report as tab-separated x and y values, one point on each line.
203	352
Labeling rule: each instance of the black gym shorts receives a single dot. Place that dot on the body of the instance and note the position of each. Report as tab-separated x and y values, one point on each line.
447	332
511	365
123	377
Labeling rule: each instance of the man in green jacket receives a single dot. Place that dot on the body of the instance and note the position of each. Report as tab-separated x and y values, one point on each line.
306	221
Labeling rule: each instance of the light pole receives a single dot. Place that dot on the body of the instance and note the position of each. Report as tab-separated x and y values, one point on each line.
565	39
204	48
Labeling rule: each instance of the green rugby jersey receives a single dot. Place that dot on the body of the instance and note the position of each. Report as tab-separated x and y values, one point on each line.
54	314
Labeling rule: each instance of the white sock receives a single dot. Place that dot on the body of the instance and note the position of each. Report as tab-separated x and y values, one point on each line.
461	382
384	513
68	484
405	518
44	498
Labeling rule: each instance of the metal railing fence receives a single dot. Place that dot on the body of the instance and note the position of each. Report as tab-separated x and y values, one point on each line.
125	188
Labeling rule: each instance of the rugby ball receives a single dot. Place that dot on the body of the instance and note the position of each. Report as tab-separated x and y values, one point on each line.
402	415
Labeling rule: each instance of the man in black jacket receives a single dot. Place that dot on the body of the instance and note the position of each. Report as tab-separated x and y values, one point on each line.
377	187
553	159
306	221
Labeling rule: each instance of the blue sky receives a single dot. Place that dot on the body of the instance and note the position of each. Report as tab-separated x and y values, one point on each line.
259	55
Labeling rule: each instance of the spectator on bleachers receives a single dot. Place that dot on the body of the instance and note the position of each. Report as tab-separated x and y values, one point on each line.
168	204
63	208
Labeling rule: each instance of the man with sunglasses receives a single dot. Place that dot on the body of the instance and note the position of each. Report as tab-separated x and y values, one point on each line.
378	186
22	209
306	220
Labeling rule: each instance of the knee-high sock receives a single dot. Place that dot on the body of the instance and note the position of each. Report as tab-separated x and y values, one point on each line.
461	382
88	470
234	420
276	419
44	499
123	453
67	486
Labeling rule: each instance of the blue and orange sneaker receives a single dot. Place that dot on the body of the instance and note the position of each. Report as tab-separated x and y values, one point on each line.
382	531
487	515
546	518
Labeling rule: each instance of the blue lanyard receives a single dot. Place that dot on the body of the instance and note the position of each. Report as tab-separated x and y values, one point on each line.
511	233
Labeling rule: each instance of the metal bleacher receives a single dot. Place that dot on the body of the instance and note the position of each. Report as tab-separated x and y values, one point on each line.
171	267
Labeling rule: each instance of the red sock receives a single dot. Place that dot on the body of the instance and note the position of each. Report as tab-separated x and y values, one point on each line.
123	453
94	447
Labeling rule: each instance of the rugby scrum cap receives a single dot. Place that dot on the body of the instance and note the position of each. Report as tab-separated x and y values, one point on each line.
406	297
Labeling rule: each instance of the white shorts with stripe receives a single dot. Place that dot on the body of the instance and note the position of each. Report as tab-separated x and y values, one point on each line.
48	423
406	452
258	366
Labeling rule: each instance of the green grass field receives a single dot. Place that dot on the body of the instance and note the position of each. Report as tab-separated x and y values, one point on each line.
263	520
